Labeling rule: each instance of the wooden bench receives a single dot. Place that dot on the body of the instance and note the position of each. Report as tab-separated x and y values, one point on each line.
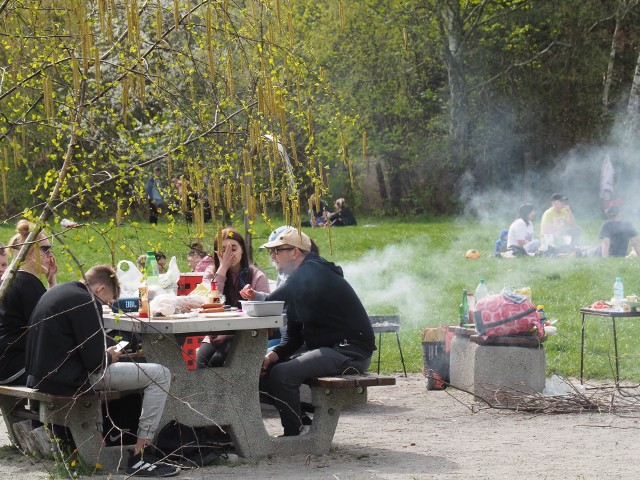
329	395
81	414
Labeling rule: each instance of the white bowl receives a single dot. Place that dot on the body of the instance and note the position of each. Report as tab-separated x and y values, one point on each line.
262	309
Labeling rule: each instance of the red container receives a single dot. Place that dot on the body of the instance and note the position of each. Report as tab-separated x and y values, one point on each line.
189	350
188	281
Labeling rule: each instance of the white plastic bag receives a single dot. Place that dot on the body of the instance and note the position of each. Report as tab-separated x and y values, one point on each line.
169	280
164	305
129	278
168	304
557	386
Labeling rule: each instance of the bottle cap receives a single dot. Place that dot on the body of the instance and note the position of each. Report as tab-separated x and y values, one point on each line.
618	279
540	307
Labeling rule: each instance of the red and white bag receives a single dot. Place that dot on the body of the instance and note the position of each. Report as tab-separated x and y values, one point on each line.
507	313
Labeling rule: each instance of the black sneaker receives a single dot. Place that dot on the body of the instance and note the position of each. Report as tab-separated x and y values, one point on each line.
141	465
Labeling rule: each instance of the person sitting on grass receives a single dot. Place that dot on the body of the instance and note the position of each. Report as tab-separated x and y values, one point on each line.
558	220
520	235
616	234
67	354
342	217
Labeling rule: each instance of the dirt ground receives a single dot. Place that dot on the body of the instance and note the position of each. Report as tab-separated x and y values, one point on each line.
408	433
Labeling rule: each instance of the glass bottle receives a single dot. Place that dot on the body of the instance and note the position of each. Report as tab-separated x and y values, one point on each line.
464	308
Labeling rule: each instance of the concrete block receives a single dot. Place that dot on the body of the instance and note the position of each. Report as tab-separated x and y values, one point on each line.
489	370
462	362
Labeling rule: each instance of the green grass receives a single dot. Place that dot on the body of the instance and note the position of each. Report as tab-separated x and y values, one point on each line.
417	269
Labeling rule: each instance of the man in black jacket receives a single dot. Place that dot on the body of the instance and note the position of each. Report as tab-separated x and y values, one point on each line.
67	354
328	330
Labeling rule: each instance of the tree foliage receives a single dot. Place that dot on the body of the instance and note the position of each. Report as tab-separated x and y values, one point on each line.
473	92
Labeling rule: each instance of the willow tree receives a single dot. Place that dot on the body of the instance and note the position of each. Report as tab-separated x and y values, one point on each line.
92	92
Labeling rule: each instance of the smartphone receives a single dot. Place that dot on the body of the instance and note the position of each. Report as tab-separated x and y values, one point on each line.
120	346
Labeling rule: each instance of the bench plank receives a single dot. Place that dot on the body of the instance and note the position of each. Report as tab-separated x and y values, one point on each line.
18	391
352	381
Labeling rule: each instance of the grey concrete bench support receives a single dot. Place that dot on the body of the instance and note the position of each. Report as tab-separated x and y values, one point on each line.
228	396
80	414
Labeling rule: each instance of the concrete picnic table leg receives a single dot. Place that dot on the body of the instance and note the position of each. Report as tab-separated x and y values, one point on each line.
228	396
225	396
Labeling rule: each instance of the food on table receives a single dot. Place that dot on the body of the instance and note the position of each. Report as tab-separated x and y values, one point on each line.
599	305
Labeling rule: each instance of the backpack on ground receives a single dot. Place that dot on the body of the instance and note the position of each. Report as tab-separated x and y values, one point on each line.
187	446
501	243
507	313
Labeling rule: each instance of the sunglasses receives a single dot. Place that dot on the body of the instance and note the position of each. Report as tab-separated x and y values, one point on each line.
277	250
46	249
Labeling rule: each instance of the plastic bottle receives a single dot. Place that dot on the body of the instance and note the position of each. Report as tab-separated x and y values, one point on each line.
481	290
151	269
464	308
541	315
143	295
618	294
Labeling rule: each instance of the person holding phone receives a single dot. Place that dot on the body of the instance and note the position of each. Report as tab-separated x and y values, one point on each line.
67	354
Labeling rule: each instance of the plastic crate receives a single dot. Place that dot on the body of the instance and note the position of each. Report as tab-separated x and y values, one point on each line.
188	281
191	344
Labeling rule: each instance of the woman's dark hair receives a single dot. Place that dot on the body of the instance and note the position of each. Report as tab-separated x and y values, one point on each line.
231	290
196	248
524	212
160	256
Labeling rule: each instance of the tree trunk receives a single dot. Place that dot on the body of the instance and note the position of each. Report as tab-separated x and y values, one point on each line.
609	74
459	101
633	109
383	187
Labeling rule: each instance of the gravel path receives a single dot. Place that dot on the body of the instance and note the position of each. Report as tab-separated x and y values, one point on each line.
408	433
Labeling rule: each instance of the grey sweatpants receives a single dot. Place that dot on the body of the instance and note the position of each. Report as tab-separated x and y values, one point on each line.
152	378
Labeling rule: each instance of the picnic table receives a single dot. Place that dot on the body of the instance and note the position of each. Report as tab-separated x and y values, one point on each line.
228	396
224	396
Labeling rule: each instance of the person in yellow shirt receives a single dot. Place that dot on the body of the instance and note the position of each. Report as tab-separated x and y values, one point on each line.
558	220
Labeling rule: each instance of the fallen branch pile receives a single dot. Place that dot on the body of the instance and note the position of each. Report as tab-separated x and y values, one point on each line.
578	399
